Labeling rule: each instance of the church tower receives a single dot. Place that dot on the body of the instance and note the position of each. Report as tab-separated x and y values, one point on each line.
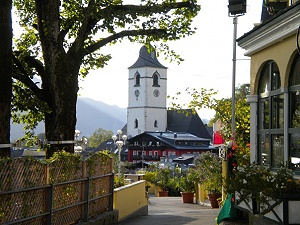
147	95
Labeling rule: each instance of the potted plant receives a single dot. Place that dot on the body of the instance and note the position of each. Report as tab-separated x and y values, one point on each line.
187	186
161	178
209	170
163	181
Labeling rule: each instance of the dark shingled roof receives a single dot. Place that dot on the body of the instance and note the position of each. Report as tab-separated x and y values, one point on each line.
171	139
191	123
147	59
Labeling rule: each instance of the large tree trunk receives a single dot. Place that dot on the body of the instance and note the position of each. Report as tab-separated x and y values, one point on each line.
60	81
59	125
5	75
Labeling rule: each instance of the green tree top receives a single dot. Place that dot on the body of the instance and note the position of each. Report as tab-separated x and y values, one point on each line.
204	98
63	39
99	136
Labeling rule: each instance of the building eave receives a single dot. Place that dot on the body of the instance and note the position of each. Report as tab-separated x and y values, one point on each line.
274	30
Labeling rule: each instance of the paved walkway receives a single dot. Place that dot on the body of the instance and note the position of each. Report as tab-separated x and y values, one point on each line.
171	211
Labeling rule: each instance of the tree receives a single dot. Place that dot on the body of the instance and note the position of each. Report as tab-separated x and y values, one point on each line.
99	136
5	74
222	107
62	41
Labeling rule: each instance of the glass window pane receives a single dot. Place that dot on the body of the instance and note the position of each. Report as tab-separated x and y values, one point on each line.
295	78
295	152
277	111
277	151
264	116
295	109
275	77
265	149
264	80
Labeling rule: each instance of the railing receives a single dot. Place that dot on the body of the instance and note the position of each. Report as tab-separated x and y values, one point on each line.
284	211
50	211
65	191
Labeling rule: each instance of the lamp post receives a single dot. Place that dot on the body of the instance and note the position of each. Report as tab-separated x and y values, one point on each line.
236	8
79	143
119	140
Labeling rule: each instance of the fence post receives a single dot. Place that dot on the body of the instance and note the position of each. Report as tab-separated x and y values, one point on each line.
87	200
83	189
111	201
49	204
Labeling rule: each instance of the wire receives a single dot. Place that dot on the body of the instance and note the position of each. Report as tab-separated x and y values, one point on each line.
297	40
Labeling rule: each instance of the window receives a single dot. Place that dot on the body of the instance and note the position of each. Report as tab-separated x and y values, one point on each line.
150	153
155	123
294	115
136	123
155	79
270	117
137	79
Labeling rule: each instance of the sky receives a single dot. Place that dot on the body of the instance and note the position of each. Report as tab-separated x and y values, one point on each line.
207	58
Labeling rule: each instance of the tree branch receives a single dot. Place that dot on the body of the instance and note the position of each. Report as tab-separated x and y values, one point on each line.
114	10
24	78
126	33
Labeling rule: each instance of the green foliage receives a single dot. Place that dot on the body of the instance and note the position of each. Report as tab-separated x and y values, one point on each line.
160	177
251	181
119	181
204	98
62	40
187	181
99	136
209	172
163	178
68	163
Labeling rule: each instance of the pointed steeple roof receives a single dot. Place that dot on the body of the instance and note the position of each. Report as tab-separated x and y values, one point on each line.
147	59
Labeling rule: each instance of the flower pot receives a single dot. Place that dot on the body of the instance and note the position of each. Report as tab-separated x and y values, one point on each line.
163	193
213	198
187	197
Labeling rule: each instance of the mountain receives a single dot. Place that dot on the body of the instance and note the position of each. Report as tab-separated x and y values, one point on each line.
91	115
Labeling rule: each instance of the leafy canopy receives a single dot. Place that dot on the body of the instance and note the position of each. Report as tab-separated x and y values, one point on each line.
76	31
99	136
204	98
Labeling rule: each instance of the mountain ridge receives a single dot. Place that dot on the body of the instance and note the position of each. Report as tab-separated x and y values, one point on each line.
91	115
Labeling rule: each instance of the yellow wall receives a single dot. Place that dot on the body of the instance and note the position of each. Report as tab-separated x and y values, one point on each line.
130	199
282	53
201	194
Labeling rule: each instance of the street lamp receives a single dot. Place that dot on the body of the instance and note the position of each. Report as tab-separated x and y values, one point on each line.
119	140
236	8
79	143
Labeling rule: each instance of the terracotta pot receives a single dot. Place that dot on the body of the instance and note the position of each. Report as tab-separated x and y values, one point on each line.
213	199
163	193
187	197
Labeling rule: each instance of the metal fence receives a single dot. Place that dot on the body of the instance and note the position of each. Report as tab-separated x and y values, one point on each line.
65	191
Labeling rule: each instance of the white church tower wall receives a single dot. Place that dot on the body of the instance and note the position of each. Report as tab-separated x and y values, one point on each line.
147	95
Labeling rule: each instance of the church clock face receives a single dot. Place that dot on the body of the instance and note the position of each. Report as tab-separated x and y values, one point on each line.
156	92
137	93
